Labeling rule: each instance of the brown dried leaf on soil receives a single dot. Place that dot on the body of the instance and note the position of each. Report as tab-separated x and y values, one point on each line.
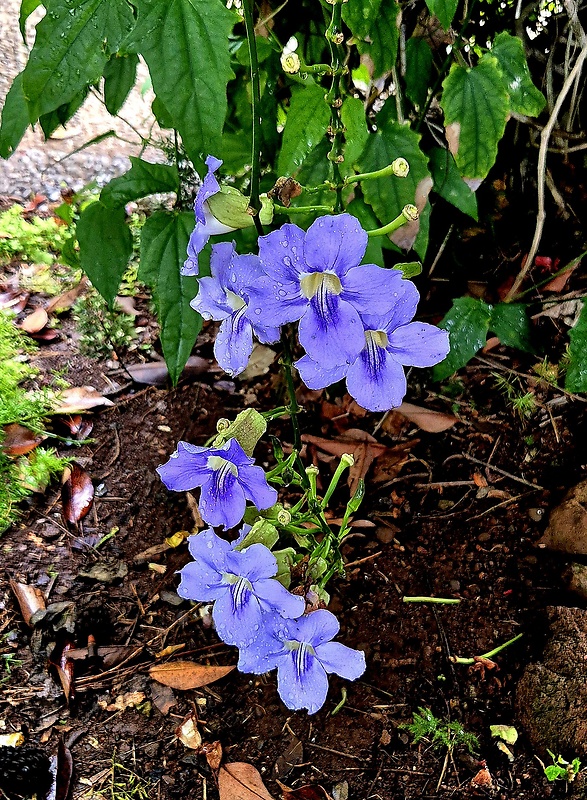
123	701
185	675
213	753
155	373
163	697
30	599
77	493
62	769
19	440
64	666
312	791
361	445
14	299
188	733
427	419
66	300
35	322
292	755
390	464
241	781
80	398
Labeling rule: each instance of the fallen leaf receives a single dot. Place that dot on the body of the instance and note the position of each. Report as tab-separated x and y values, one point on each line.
213	753
188	733
482	778
19	440
66	300
361	445
35	322
261	359
64	667
292	755
111	655
14	299
505	750
162	697
312	791
30	599
123	701
105	571
77	493
427	419
127	304
78	426
558	284
62	769
80	398
46	335
392	461
187	674
155	373
506	732
241	781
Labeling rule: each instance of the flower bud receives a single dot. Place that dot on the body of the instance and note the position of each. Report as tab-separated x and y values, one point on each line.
222	425
400	167
347	459
283	516
410	212
290	63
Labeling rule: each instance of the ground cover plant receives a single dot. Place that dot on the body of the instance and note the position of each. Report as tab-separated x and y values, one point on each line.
322	165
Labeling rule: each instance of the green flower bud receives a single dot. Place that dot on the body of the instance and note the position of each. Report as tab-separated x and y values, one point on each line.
410	212
290	63
400	167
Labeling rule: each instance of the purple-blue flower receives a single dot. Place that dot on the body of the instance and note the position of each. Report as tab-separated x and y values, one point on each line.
227	476
241	584
315	277
304	655
224	296
376	378
206	224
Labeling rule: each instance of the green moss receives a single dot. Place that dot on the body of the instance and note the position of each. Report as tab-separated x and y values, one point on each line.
38	241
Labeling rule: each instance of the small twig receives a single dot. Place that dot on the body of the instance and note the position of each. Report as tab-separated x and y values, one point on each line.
362	560
444	601
330	750
496	469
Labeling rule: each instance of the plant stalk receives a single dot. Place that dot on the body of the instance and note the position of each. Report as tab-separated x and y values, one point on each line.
254	201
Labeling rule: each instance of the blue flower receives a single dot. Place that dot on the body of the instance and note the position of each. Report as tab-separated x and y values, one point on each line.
206	224
315	277
241	584
304	655
224	296
227	476
376	378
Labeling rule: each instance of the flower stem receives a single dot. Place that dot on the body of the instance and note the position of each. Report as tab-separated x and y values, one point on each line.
443	601
399	168
409	213
334	37
302	209
490	654
256	114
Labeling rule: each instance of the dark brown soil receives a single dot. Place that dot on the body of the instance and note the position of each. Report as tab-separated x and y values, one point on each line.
458	528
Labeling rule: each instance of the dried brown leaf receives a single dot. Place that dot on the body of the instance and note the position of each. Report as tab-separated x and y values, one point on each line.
77	493
80	398
163	697
312	791
482	778
30	599
188	733
361	445
213	753
66	300
123	701
390	464
14	299
35	322
241	781
64	667
427	419
62	768
19	440
187	674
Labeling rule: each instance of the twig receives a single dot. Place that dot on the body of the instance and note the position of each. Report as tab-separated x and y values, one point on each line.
496	469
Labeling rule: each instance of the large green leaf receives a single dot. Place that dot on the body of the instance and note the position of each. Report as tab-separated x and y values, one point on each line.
382	39
306	125
364	213
185	44
475	99
525	98
356	133
71	47
119	77
467	324
142	179
60	116
26	9
443	10
510	323
449	184
164	240
389	195
360	16
576	380
105	244
15	118
418	70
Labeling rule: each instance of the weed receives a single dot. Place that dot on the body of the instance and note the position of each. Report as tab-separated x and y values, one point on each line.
38	241
560	769
439	733
547	372
123	784
523	402
8	660
102	331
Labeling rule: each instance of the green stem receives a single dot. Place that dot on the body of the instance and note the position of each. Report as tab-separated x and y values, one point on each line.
256	114
443	601
490	654
394	224
334	37
302	209
386	172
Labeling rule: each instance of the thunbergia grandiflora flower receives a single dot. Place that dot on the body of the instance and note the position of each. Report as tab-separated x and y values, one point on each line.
315	277
241	584
206	223
228	478
376	378
225	296
303	653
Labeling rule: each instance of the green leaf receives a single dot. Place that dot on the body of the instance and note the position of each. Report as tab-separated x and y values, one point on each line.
71	48
185	45
418	70
142	179
360	16
364	213
162	115
467	324
236	152
60	116
15	118
506	732
120	74
576	380
26	9
388	196
382	39
356	133
525	98
475	99
449	184
510	323
307	121
105	244
410	269
164	241
443	10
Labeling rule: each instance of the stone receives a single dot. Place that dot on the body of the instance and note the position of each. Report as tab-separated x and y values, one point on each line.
567	525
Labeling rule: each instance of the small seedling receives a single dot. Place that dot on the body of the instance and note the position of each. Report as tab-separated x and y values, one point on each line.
102	331
123	784
523	402
560	769
439	733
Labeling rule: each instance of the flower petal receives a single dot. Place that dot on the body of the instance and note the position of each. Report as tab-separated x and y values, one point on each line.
335	243
254	563
331	330
266	335
376	380
210	301
209	187
273	596
266	651
419	344
244	272
209	549
371	289
234	342
196	244
233	451
186	468
302	681
315	628
282	253
200	582
341	660
222	501
237	616
273	303
315	376
256	488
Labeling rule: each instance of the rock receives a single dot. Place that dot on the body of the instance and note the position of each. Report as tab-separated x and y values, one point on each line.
567	525
552	694
576	577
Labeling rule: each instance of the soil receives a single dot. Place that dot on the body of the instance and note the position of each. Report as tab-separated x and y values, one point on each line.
444	524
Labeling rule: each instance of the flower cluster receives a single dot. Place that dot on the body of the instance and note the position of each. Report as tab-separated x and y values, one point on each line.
253	611
354	320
